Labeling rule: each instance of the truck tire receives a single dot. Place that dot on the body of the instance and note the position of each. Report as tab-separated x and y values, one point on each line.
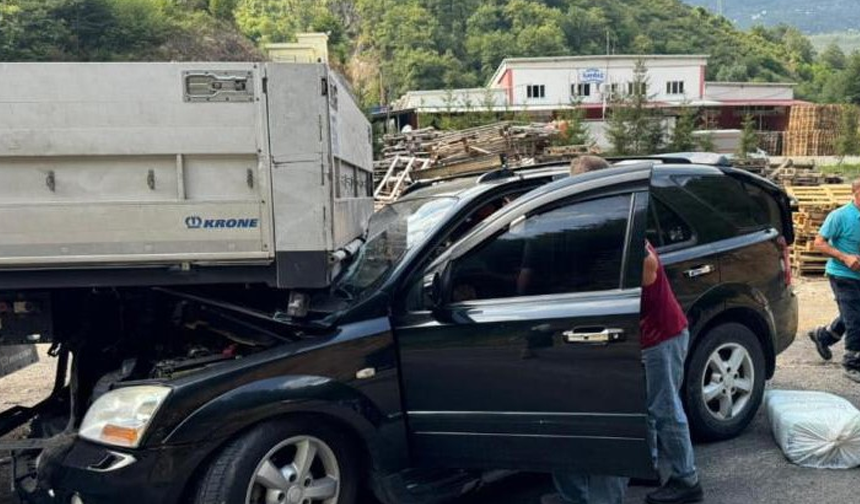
284	461
725	381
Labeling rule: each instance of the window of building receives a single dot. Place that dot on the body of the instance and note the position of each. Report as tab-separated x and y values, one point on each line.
581	89
536	91
675	87
574	248
632	88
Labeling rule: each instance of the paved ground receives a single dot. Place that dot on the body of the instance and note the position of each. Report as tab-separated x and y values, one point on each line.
747	470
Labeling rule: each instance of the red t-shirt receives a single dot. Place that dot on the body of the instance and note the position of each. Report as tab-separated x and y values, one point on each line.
662	317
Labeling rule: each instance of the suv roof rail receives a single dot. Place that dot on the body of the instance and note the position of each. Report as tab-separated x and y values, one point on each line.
662	159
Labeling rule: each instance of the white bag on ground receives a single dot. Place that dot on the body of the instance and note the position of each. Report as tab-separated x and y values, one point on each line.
815	429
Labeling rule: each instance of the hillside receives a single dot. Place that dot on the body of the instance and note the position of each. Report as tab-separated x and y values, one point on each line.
818	16
387	47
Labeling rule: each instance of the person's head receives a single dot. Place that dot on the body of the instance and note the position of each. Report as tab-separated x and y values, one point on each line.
585	164
855	190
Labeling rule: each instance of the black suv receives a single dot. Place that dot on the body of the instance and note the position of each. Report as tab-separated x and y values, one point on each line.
486	323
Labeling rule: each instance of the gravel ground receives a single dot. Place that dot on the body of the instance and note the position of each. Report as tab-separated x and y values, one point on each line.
749	469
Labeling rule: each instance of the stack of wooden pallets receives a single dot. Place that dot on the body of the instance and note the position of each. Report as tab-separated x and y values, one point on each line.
814	203
812	130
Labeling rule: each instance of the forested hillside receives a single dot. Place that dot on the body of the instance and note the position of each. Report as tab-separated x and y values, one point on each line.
389	46
817	16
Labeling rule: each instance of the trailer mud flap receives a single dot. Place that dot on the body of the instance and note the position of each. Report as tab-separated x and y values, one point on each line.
16	357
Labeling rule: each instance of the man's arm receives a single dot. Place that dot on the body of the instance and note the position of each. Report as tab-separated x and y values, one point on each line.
850	260
649	270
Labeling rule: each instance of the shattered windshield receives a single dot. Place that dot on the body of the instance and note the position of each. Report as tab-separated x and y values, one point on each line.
392	231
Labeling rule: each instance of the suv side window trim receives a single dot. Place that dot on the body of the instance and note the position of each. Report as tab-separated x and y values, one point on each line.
569	296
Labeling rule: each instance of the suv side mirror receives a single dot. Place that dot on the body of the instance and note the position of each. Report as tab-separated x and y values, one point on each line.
438	287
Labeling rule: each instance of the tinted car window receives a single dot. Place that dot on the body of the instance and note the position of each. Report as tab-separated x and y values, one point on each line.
574	248
666	227
769	213
725	195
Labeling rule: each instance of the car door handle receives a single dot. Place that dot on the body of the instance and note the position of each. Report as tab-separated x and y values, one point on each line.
588	336
698	271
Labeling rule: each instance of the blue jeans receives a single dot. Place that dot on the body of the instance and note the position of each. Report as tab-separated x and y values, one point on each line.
668	427
668	430
847	291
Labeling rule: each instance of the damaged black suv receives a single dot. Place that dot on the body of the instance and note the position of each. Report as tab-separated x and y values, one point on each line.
486	323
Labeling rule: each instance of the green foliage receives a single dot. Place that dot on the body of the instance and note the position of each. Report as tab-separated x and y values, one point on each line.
633	127
573	128
848	141
682	139
749	137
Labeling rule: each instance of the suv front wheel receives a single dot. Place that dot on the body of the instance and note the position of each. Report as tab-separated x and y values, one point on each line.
725	382
283	462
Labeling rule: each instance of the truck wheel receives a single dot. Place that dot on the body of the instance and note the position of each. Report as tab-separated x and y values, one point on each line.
283	462
725	382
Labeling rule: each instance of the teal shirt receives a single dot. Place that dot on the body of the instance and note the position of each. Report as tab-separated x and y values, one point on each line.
842	229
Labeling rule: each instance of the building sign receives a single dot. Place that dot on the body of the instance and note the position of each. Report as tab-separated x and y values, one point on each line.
594	75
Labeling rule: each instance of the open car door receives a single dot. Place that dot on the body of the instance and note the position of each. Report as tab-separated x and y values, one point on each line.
528	353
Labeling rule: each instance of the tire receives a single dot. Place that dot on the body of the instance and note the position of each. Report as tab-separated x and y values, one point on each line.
735	394
241	473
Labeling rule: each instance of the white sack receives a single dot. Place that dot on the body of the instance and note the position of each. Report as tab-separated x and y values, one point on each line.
815	429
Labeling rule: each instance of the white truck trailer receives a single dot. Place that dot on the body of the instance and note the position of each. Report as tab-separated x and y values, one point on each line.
179	172
156	218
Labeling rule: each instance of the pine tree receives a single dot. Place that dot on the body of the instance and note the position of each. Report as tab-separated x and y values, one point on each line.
633	126
683	139
749	137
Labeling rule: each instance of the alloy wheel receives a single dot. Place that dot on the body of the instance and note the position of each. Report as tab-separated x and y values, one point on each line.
728	381
300	470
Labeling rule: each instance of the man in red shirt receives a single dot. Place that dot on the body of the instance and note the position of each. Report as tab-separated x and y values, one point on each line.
665	341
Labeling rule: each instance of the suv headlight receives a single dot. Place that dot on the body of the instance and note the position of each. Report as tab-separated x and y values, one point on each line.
121	417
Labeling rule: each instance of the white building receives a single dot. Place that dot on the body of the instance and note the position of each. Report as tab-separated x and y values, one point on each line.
550	83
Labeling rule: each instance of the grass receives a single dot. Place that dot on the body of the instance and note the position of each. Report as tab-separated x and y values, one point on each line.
846	170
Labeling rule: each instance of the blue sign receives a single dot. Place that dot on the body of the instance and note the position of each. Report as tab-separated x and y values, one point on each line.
595	75
197	222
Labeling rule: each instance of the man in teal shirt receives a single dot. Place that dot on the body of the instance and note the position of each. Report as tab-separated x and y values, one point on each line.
839	238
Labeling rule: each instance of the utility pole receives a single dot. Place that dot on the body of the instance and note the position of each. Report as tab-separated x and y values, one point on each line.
720	7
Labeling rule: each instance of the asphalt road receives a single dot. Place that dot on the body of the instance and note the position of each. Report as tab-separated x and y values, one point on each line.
747	470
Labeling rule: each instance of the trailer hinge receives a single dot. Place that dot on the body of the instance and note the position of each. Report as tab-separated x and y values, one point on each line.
324	86
265	85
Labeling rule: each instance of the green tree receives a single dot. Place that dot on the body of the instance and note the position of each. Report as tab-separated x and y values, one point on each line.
833	57
574	131
682	138
749	137
633	126
848	140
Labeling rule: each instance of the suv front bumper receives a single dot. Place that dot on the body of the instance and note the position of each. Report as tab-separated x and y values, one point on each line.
95	474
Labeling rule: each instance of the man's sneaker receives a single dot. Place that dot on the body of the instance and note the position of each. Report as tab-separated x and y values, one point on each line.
852	374
676	492
552	499
823	349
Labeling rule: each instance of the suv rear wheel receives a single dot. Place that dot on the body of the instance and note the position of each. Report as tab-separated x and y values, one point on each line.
725	382
282	462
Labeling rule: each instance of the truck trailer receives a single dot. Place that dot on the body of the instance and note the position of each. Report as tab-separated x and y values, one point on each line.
159	218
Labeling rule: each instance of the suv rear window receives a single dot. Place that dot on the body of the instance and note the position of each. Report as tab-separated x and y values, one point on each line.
729	198
665	227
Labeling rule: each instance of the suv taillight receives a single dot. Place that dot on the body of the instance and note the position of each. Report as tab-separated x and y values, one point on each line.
786	260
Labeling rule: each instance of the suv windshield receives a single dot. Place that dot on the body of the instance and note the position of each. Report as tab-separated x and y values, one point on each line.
392	231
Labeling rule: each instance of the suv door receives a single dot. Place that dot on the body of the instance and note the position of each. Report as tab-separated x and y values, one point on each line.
534	362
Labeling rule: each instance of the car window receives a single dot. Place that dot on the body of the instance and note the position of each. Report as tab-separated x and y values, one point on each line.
726	196
665	227
769	212
574	248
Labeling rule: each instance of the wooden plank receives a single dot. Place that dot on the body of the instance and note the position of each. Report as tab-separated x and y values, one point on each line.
475	166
